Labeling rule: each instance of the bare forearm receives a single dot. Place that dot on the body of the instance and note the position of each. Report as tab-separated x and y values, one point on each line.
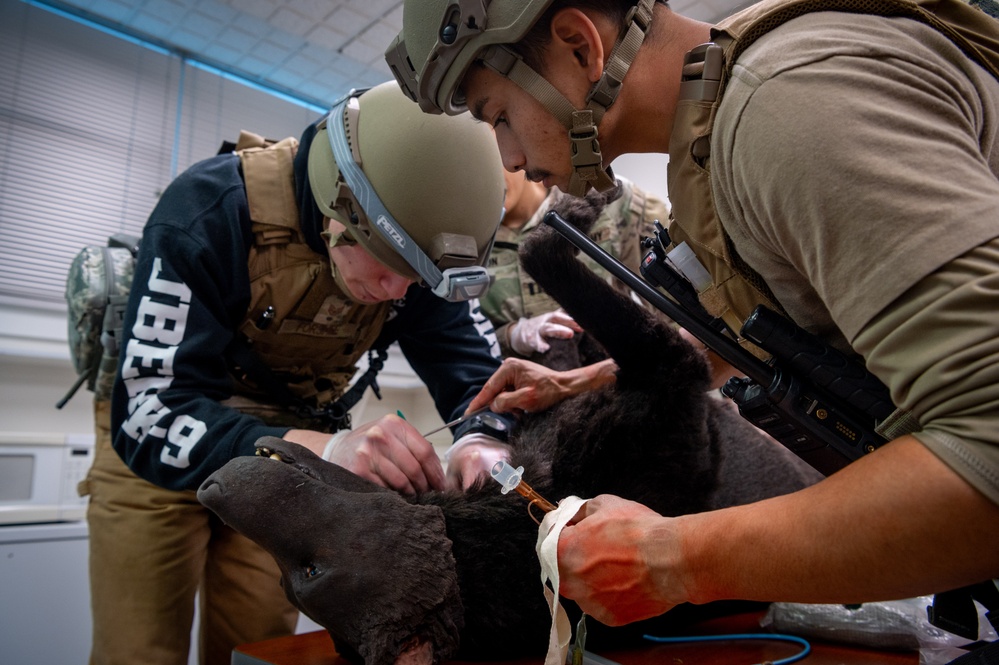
314	441
520	385
590	377
895	524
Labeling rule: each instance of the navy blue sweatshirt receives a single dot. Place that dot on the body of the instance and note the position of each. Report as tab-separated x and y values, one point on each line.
189	296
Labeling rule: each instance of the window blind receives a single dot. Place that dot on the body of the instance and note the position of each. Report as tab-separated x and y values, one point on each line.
93	127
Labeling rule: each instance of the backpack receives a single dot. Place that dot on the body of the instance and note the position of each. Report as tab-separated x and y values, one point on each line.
97	287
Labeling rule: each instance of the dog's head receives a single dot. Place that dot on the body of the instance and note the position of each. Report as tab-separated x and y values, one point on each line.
374	570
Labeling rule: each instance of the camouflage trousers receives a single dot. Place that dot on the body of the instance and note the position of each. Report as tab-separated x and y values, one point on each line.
151	551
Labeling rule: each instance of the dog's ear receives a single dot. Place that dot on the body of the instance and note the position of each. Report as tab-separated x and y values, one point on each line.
580	212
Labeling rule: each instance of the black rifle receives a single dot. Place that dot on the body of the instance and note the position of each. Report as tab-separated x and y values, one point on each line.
819	403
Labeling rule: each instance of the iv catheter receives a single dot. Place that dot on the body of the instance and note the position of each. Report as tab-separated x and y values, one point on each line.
510	479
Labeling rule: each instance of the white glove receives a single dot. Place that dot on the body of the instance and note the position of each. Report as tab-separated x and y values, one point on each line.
472	457
332	444
528	335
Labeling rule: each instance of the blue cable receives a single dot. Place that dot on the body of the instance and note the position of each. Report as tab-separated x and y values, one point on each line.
743	636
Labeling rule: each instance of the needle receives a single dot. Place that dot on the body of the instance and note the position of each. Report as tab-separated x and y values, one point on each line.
456	421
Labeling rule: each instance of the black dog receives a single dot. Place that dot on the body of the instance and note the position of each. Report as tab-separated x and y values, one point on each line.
426	578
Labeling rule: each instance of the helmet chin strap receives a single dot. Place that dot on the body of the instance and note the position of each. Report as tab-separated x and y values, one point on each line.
588	169
338	279
339	239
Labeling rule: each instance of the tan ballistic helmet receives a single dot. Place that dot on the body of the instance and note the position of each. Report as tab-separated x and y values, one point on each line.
402	175
440	39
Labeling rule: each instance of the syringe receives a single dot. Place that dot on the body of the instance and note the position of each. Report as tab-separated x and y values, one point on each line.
510	479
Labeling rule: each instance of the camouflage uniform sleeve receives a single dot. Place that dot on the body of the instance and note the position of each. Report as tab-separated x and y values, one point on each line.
639	212
513	294
619	230
623	224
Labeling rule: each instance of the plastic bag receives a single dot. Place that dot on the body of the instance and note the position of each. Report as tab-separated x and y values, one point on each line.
900	625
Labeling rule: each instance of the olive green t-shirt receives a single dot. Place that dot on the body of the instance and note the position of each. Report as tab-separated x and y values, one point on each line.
854	165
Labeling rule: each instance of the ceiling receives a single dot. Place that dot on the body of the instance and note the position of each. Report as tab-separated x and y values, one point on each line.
315	50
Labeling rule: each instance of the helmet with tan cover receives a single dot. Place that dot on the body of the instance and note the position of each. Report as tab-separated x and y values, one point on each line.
423	194
440	39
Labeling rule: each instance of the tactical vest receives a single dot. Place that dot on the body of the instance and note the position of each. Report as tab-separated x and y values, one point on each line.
299	323
514	294
734	289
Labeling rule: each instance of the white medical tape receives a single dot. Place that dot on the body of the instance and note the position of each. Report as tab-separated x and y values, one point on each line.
547	548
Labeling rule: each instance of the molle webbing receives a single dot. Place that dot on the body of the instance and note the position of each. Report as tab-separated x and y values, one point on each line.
270	190
303	328
971	29
734	290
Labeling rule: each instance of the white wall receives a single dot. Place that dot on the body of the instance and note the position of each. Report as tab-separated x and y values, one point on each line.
29	389
35	372
647	170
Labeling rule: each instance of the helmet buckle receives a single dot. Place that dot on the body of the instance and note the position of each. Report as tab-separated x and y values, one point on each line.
641	14
605	91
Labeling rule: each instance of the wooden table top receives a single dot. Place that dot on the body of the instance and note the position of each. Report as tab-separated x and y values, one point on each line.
317	649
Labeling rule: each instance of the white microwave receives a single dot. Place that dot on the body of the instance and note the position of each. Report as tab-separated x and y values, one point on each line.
39	473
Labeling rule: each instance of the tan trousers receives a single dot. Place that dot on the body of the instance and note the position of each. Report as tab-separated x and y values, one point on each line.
151	549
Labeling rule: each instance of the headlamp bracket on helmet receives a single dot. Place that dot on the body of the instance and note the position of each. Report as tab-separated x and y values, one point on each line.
463	20
455	282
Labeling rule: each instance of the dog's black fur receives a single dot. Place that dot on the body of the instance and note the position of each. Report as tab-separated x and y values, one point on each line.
457	573
577	351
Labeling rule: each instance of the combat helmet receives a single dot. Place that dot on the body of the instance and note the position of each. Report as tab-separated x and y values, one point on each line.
440	39
423	194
